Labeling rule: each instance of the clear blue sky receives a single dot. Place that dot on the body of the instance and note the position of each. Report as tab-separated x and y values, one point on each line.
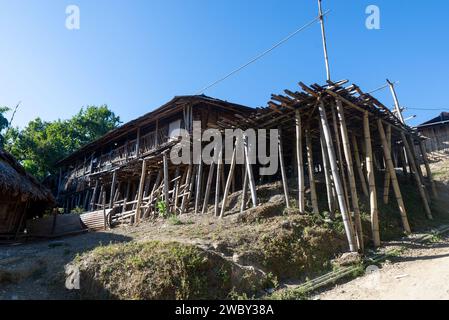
136	55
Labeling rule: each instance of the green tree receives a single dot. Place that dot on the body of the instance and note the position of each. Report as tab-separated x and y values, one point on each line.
4	124
41	144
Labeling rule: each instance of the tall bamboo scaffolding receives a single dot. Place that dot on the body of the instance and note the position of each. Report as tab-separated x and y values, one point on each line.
371	181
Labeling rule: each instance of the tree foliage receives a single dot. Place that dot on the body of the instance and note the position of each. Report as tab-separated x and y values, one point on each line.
4	124
41	144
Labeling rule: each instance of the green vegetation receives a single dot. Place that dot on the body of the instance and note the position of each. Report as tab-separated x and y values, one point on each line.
4	124
157	270
41	144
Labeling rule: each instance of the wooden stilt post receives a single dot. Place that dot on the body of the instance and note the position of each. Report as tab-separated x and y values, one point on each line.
412	163
358	163
249	168
104	211
387	171
428	171
371	181
140	192
311	169
186	189
114	182
244	189
351	174
166	183
228	184
282	165
299	162
94	196
199	179
208	187
337	180
218	183
394	180
153	191
176	191
329	187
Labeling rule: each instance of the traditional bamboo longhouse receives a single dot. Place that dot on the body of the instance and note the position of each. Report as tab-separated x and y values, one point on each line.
21	197
334	138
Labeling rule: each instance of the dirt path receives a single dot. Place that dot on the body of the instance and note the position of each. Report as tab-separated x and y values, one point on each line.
419	273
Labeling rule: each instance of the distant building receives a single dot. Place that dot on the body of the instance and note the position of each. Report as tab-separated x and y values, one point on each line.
436	132
22	197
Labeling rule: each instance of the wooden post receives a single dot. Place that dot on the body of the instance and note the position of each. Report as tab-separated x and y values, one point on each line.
249	168
371	181
329	187
186	189
358	163
387	171
218	183
198	185
323	33
299	162
337	180
282	165
429	172
228	184
208	187
311	168
394	180
138	143
176	190
94	196
412	164
153	191
166	183
114	182
104	211
351	174
140	192
244	188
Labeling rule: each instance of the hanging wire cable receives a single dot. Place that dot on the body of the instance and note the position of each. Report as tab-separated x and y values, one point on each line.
383	87
262	54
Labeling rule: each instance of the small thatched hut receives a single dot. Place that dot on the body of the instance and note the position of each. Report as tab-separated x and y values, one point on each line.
21	196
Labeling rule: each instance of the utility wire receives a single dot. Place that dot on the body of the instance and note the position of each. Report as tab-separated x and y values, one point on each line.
383	87
263	53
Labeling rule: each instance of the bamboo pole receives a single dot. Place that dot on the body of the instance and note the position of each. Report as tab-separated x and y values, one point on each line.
351	174
104	211
244	188
218	183
337	180
394	179
228	184
340	155
387	171
299	162
166	183
329	187
371	181
428	171
94	196
358	163
140	192
208	187
282	165
412	164
249	168
311	169
186	189
199	181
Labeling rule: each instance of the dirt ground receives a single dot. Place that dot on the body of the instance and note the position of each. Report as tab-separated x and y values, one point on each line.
421	272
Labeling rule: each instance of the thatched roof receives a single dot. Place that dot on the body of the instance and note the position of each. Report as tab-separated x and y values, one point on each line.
15	181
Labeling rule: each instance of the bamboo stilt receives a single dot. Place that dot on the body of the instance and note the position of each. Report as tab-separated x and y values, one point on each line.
186	189
114	182
412	164
166	183
249	168
218	183
428	171
337	180
300	164
199	177
208	187
311	169
329	187
140	192
228	184
371	181
351	175
394	180
387	171
358	163
244	189
282	167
